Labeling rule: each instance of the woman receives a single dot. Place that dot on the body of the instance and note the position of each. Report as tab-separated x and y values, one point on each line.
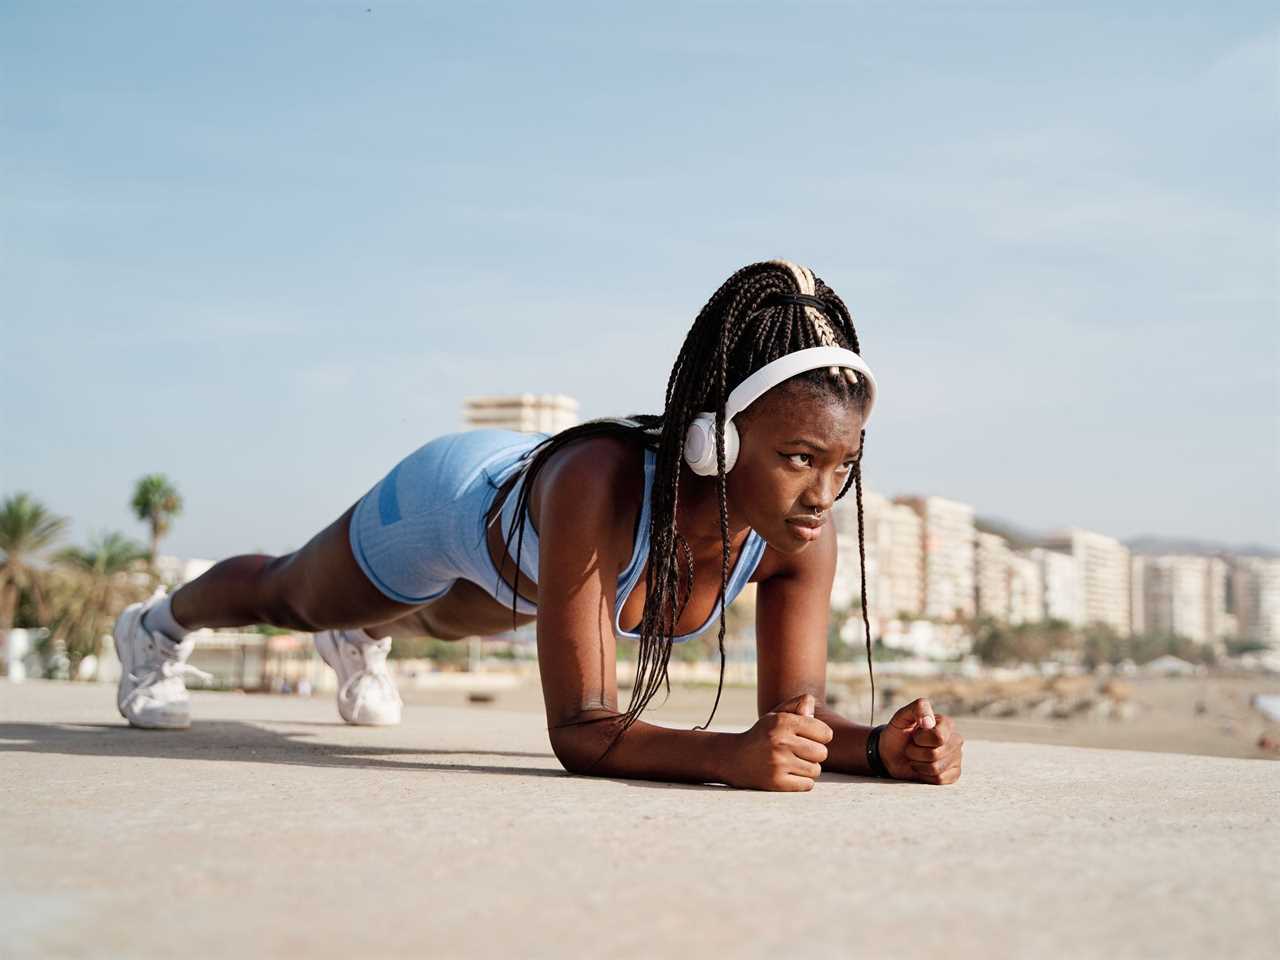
762	431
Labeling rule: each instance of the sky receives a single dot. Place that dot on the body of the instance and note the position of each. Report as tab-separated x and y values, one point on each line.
268	249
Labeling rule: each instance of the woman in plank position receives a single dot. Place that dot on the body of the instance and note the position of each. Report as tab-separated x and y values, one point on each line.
645	527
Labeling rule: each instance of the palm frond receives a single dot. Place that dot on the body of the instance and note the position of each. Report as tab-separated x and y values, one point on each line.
27	527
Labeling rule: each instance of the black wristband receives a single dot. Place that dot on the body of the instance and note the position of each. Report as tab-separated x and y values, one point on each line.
878	769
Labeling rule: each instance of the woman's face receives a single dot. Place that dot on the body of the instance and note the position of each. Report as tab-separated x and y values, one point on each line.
797	448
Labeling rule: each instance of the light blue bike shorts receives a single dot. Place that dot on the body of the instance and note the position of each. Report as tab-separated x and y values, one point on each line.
421	527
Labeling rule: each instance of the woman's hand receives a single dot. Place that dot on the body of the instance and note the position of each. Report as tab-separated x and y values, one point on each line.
782	751
921	745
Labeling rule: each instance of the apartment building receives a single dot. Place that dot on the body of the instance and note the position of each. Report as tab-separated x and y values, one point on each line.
1255	595
992	560
526	412
1059	585
893	542
1026	589
947	555
1103	571
1181	594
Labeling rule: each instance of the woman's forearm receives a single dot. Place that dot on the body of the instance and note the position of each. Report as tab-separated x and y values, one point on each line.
847	751
646	751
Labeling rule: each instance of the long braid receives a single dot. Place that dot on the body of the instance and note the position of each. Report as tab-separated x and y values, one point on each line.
742	327
862	571
722	495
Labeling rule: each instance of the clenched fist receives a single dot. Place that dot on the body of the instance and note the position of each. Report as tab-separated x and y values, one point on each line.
921	745
784	750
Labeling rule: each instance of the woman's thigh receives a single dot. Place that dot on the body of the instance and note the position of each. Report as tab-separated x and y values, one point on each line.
465	611
324	588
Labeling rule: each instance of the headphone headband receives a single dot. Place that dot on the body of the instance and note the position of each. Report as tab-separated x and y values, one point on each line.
788	365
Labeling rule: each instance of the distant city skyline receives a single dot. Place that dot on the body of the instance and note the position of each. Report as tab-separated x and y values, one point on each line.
927	560
270	250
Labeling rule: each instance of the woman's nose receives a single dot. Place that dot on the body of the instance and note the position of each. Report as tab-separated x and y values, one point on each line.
822	495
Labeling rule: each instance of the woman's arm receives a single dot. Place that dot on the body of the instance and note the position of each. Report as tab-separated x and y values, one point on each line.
793	606
583	534
792	609
646	751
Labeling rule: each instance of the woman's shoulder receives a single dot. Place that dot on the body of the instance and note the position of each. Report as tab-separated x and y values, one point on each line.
606	462
600	476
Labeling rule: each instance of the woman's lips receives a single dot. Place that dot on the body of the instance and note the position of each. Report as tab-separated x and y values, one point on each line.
805	530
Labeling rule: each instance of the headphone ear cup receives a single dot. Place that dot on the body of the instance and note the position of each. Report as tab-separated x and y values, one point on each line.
700	445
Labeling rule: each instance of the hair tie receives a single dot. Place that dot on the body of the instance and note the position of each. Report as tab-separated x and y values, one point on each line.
802	300
820	323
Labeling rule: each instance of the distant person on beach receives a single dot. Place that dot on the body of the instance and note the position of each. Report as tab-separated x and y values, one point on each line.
645	526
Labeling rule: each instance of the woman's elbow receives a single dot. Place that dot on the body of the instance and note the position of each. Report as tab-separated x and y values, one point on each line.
571	755
580	749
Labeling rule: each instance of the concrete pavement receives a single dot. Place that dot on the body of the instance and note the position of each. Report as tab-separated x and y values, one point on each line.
271	829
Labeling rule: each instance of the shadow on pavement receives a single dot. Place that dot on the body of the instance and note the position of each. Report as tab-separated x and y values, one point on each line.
223	740
236	740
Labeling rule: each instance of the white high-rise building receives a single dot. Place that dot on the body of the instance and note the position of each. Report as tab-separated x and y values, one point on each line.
1010	583
527	412
947	555
1103	574
846	586
905	566
1060	585
1220	622
991	560
1255	592
892	541
1138	570
1175	594
1026	589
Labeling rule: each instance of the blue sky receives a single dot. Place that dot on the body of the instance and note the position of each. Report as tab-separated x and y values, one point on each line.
268	249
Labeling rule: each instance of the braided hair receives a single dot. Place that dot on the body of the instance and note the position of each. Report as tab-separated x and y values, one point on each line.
762	312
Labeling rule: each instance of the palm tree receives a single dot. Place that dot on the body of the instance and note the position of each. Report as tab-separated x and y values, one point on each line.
103	568
27	529
156	502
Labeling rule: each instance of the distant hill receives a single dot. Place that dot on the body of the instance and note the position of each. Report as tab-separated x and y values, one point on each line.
1022	539
1018	537
1148	544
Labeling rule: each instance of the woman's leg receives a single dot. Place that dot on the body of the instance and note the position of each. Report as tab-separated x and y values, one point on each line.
318	587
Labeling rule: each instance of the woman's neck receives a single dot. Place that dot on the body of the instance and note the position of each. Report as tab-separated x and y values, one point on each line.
698	513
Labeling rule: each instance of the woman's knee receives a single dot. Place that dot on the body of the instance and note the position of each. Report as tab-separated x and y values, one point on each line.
284	598
320	588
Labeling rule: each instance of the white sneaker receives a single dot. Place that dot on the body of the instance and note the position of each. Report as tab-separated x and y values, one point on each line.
366	692
151	692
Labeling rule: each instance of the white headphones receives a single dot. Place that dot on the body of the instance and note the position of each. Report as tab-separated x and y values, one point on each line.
700	440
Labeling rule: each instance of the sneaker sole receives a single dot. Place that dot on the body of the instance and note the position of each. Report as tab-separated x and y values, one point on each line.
184	725
388	721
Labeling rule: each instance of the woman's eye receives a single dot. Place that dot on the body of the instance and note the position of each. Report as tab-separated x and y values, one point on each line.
806	459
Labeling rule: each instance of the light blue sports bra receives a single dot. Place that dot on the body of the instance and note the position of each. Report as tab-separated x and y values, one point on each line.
748	558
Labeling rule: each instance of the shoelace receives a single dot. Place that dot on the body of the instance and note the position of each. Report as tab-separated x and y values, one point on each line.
165	670
378	675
